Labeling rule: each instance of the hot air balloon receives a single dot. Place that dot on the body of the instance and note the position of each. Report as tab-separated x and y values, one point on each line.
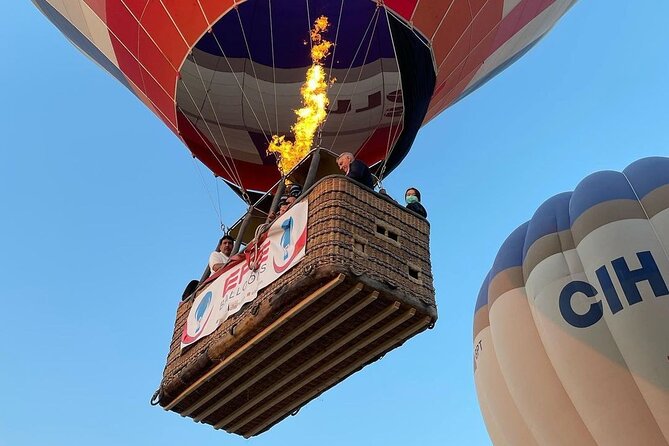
572	322
349	278
223	74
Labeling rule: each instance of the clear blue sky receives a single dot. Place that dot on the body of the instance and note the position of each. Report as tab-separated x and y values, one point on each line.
105	219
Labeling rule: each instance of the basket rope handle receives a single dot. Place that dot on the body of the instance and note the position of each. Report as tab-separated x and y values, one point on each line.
155	399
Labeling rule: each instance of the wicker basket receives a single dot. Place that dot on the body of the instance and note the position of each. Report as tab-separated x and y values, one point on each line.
362	289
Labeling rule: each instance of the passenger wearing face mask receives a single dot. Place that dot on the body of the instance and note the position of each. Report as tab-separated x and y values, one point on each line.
412	197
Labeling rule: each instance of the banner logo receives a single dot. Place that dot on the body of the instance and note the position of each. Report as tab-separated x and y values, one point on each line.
198	318
204	308
283	248
292	244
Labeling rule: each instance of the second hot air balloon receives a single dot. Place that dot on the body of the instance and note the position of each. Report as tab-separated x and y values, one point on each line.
571	326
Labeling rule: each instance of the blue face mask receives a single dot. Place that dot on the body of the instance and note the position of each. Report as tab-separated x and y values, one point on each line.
411	199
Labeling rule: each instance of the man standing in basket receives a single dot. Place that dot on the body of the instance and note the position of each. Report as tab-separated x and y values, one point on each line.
219	258
355	169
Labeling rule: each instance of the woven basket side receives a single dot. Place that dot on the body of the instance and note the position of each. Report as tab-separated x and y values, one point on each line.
351	230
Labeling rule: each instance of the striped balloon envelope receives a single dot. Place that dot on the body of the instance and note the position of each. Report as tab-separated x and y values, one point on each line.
225	75
571	330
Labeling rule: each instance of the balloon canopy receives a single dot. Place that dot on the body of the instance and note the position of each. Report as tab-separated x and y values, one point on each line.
572	322
224	75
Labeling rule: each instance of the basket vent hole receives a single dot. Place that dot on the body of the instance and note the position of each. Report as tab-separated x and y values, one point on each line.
414	273
359	246
393	236
380	230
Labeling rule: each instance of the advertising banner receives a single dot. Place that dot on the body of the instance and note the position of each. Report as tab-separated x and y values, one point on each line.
240	283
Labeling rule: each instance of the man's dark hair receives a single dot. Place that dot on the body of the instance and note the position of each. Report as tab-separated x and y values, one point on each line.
225	237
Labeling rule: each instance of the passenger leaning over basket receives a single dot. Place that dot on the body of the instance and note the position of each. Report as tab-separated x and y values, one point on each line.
355	169
220	257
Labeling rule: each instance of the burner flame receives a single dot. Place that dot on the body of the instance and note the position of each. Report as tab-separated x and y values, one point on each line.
314	105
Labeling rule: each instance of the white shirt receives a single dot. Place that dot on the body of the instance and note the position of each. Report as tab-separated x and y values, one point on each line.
216	258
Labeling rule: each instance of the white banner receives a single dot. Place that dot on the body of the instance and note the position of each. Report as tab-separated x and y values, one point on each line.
283	248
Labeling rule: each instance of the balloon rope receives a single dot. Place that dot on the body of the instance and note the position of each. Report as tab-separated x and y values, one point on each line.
139	87
466	33
394	134
311	43
167	59
436	30
332	60
231	170
253	68
232	71
659	239
230	159
334	46
415	8
218	201
355	55
236	177
206	189
436	105
409	25
271	37
216	153
422	38
375	19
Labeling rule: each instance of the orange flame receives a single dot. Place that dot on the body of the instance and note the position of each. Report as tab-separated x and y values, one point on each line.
314	104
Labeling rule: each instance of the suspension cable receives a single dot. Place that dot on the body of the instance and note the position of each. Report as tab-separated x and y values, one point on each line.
232	71
355	55
253	68
355	87
112	33
215	153
173	67
232	170
332	61
207	143
218	198
311	43
231	164
271	38
443	18
394	133
334	50
648	217
464	33
217	210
